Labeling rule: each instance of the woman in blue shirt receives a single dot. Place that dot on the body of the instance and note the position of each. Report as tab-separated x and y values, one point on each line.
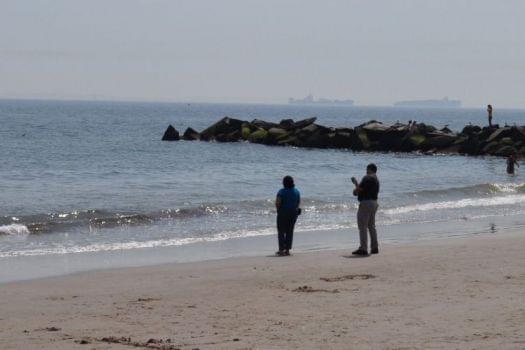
287	204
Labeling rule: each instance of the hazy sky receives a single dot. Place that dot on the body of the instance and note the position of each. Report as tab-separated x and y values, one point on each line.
374	52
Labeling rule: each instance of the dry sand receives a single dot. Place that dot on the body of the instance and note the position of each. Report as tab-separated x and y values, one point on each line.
463	293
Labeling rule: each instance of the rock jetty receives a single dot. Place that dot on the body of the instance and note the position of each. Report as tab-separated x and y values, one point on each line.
371	136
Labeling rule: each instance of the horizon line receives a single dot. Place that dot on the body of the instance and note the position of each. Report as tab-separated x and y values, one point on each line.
138	100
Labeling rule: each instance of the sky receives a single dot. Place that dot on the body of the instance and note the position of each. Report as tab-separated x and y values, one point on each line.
372	51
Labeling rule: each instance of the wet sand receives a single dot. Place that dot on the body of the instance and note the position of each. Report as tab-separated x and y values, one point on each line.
461	293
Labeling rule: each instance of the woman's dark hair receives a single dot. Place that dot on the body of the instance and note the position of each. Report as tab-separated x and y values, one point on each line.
372	167
288	182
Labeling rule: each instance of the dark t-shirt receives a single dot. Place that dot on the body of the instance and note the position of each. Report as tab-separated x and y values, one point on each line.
369	188
290	198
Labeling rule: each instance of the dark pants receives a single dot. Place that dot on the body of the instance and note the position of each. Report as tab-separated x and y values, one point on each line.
285	226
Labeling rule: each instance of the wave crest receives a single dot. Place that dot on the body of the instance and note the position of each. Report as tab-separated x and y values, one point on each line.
14	230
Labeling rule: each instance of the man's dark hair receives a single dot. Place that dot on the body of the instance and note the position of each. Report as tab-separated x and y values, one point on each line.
372	167
288	182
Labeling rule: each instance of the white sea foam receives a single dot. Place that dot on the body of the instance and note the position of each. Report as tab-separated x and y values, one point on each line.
14	230
457	204
509	188
173	242
101	247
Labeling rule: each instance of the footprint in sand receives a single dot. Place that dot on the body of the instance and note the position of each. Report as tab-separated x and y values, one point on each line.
365	276
308	289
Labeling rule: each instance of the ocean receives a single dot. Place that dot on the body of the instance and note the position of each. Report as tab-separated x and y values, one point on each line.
85	180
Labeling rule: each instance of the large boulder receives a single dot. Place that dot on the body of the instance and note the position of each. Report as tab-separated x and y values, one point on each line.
470	145
246	130
263	124
190	135
373	129
438	140
233	136
226	125
277	132
470	130
486	132
393	138
361	142
507	141
171	134
452	149
312	129
416	140
491	147
340	139
498	134
289	140
258	136
505	151
374	126
515	133
446	130
317	140
424	129
286	124
304	123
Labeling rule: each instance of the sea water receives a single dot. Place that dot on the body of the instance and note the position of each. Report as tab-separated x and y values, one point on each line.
81	178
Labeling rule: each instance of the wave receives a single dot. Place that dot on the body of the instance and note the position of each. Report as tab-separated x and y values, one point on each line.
480	195
479	189
98	219
458	204
98	247
14	230
169	242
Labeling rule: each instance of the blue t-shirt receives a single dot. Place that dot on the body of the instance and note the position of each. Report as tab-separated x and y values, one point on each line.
290	198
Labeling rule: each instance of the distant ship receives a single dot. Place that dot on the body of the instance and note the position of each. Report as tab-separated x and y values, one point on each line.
443	103
309	100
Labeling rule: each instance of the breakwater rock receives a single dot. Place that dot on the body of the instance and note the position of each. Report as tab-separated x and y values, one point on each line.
371	136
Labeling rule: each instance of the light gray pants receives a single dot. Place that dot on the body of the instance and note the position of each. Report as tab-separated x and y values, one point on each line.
366	220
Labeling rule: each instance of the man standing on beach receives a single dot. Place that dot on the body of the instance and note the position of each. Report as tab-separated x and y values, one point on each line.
366	192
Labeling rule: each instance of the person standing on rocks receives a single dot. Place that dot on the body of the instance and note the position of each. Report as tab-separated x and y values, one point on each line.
489	113
287	205
366	192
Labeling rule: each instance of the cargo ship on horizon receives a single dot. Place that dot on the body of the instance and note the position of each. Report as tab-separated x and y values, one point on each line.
443	103
309	100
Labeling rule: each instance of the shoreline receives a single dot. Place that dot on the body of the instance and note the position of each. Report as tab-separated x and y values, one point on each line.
463	293
24	268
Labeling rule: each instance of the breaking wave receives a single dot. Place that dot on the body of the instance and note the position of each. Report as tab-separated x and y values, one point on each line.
14	230
474	190
481	195
457	204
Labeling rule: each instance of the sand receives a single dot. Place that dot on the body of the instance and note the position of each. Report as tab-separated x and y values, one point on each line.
461	293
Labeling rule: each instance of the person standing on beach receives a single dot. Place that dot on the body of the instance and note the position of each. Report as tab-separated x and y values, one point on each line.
287	205
366	192
512	160
489	113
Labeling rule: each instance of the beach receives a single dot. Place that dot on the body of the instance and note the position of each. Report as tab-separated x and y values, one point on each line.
456	293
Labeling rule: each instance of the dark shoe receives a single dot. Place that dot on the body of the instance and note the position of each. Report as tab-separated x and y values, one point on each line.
360	252
279	253
374	251
286	253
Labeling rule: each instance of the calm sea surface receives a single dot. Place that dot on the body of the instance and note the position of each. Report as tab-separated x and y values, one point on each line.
94	176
